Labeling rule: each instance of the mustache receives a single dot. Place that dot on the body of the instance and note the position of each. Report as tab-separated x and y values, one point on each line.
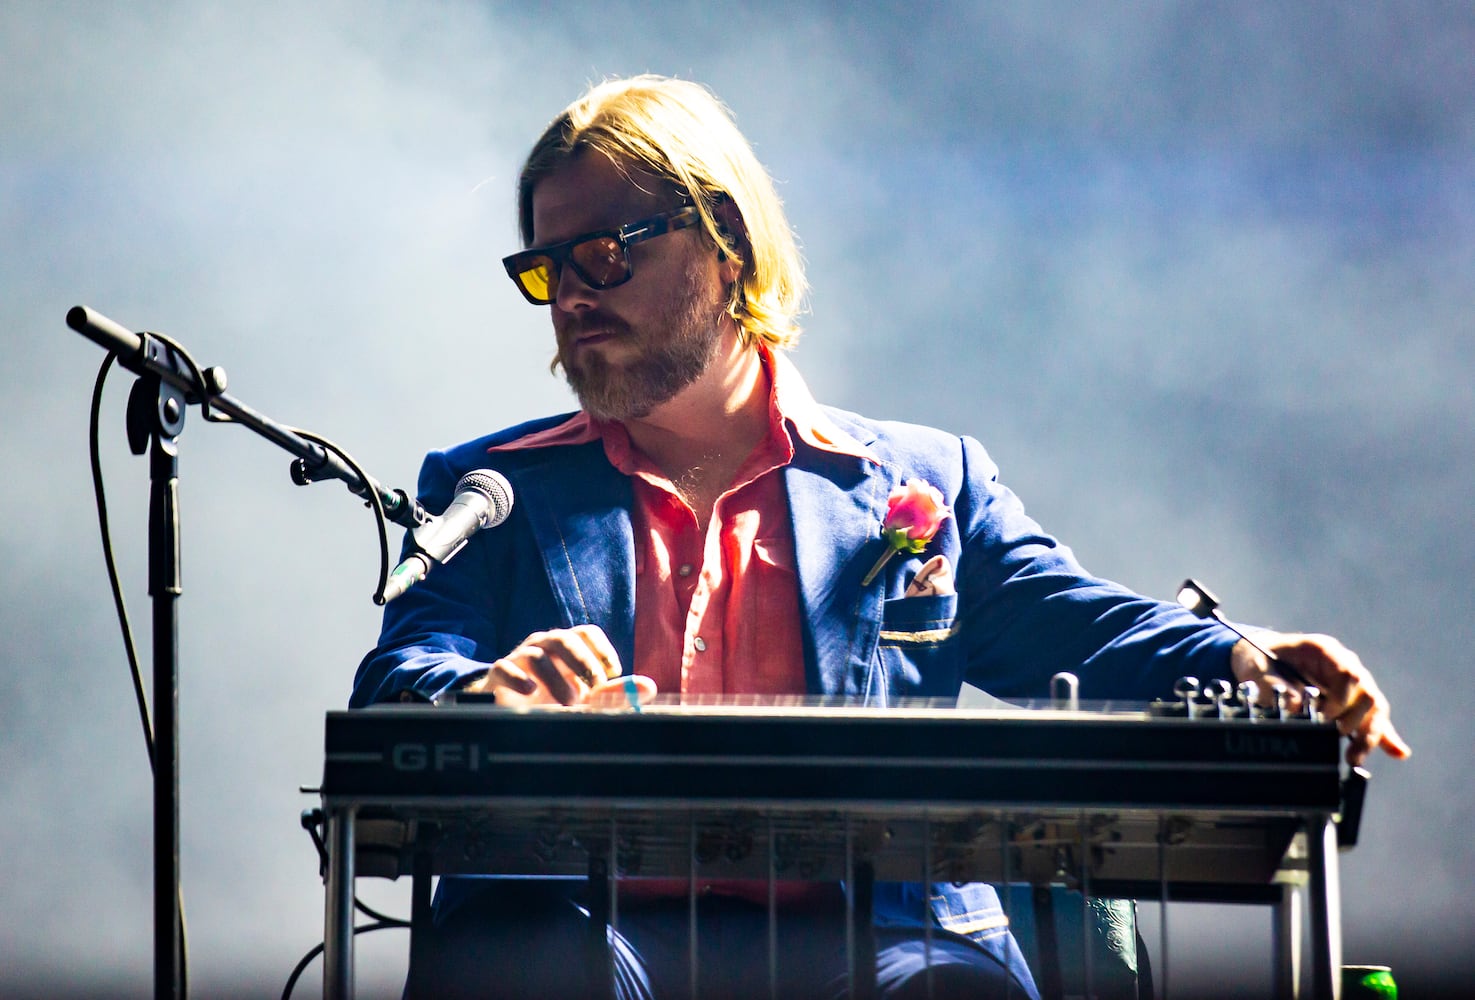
593	321
573	327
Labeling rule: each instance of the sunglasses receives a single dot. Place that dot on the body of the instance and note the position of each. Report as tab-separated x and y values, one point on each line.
600	259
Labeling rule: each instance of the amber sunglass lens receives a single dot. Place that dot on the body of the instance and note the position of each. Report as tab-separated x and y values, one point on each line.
537	279
602	260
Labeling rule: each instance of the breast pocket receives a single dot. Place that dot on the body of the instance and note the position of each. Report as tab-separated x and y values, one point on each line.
917	654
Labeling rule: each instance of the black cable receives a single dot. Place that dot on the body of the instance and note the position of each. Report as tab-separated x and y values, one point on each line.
204	389
385	924
119	605
375	915
373	502
312	819
300	968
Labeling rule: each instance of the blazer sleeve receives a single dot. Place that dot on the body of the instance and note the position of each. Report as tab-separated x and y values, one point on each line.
1028	609
443	631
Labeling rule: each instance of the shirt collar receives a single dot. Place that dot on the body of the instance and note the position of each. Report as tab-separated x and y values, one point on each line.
577	429
797	405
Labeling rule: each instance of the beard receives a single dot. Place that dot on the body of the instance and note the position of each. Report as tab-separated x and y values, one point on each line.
672	354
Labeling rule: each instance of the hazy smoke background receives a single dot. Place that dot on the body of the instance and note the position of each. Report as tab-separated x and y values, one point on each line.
1201	276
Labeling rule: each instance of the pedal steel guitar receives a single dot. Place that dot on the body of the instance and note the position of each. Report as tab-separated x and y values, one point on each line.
1203	798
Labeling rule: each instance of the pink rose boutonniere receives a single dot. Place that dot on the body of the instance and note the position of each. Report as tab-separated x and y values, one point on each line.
914	512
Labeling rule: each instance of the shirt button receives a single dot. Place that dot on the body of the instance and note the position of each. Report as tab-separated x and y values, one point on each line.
700	644
684	569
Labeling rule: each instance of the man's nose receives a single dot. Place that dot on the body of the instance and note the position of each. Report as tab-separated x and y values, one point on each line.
573	294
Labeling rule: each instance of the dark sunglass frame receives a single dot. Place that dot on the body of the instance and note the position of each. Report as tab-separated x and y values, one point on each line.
560	255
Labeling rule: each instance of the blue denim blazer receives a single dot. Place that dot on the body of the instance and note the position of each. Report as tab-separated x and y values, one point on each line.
1024	608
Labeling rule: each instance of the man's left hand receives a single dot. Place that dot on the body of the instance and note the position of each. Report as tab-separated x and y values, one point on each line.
1349	695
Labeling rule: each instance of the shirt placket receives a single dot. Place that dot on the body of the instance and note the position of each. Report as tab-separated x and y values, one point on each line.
702	643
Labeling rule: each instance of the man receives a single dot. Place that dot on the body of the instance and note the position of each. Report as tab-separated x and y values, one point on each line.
702	522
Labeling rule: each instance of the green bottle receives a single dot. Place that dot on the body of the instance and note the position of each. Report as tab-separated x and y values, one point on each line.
1368	982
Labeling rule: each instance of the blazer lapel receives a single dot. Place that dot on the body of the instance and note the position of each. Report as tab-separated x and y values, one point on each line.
836	503
579	509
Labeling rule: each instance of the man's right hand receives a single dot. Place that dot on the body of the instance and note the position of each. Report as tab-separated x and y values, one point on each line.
561	666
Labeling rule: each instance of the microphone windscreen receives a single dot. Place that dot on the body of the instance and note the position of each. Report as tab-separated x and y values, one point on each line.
494	486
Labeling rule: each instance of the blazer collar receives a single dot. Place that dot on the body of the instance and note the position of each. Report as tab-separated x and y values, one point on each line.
836	503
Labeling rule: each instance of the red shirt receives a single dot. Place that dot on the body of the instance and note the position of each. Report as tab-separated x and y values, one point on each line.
717	612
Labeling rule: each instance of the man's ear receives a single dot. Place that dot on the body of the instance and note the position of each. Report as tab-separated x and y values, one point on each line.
732	230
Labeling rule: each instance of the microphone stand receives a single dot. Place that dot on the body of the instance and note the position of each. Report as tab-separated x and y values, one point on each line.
155	419
156	409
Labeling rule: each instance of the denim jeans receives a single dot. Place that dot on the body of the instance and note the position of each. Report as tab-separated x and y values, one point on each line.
517	940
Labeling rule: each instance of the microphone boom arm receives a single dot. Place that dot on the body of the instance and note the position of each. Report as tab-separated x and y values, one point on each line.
144	353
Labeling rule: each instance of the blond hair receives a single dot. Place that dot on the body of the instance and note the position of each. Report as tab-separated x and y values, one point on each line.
681	133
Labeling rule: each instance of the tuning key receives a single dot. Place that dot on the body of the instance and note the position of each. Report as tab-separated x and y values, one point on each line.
1217	692
1065	691
1310	703
1187	688
1248	694
1281	695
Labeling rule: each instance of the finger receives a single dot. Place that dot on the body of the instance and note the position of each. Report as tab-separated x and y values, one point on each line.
1365	722
921	582
1384	738
1360	716
546	665
506	674
602	652
1368	728
1350	694
1381	734
935	577
1394	745
631	691
583	651
561	663
1334	670
942	577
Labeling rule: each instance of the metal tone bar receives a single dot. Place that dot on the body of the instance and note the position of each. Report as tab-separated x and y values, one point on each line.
338	919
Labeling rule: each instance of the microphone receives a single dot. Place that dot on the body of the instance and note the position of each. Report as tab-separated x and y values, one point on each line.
483	500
